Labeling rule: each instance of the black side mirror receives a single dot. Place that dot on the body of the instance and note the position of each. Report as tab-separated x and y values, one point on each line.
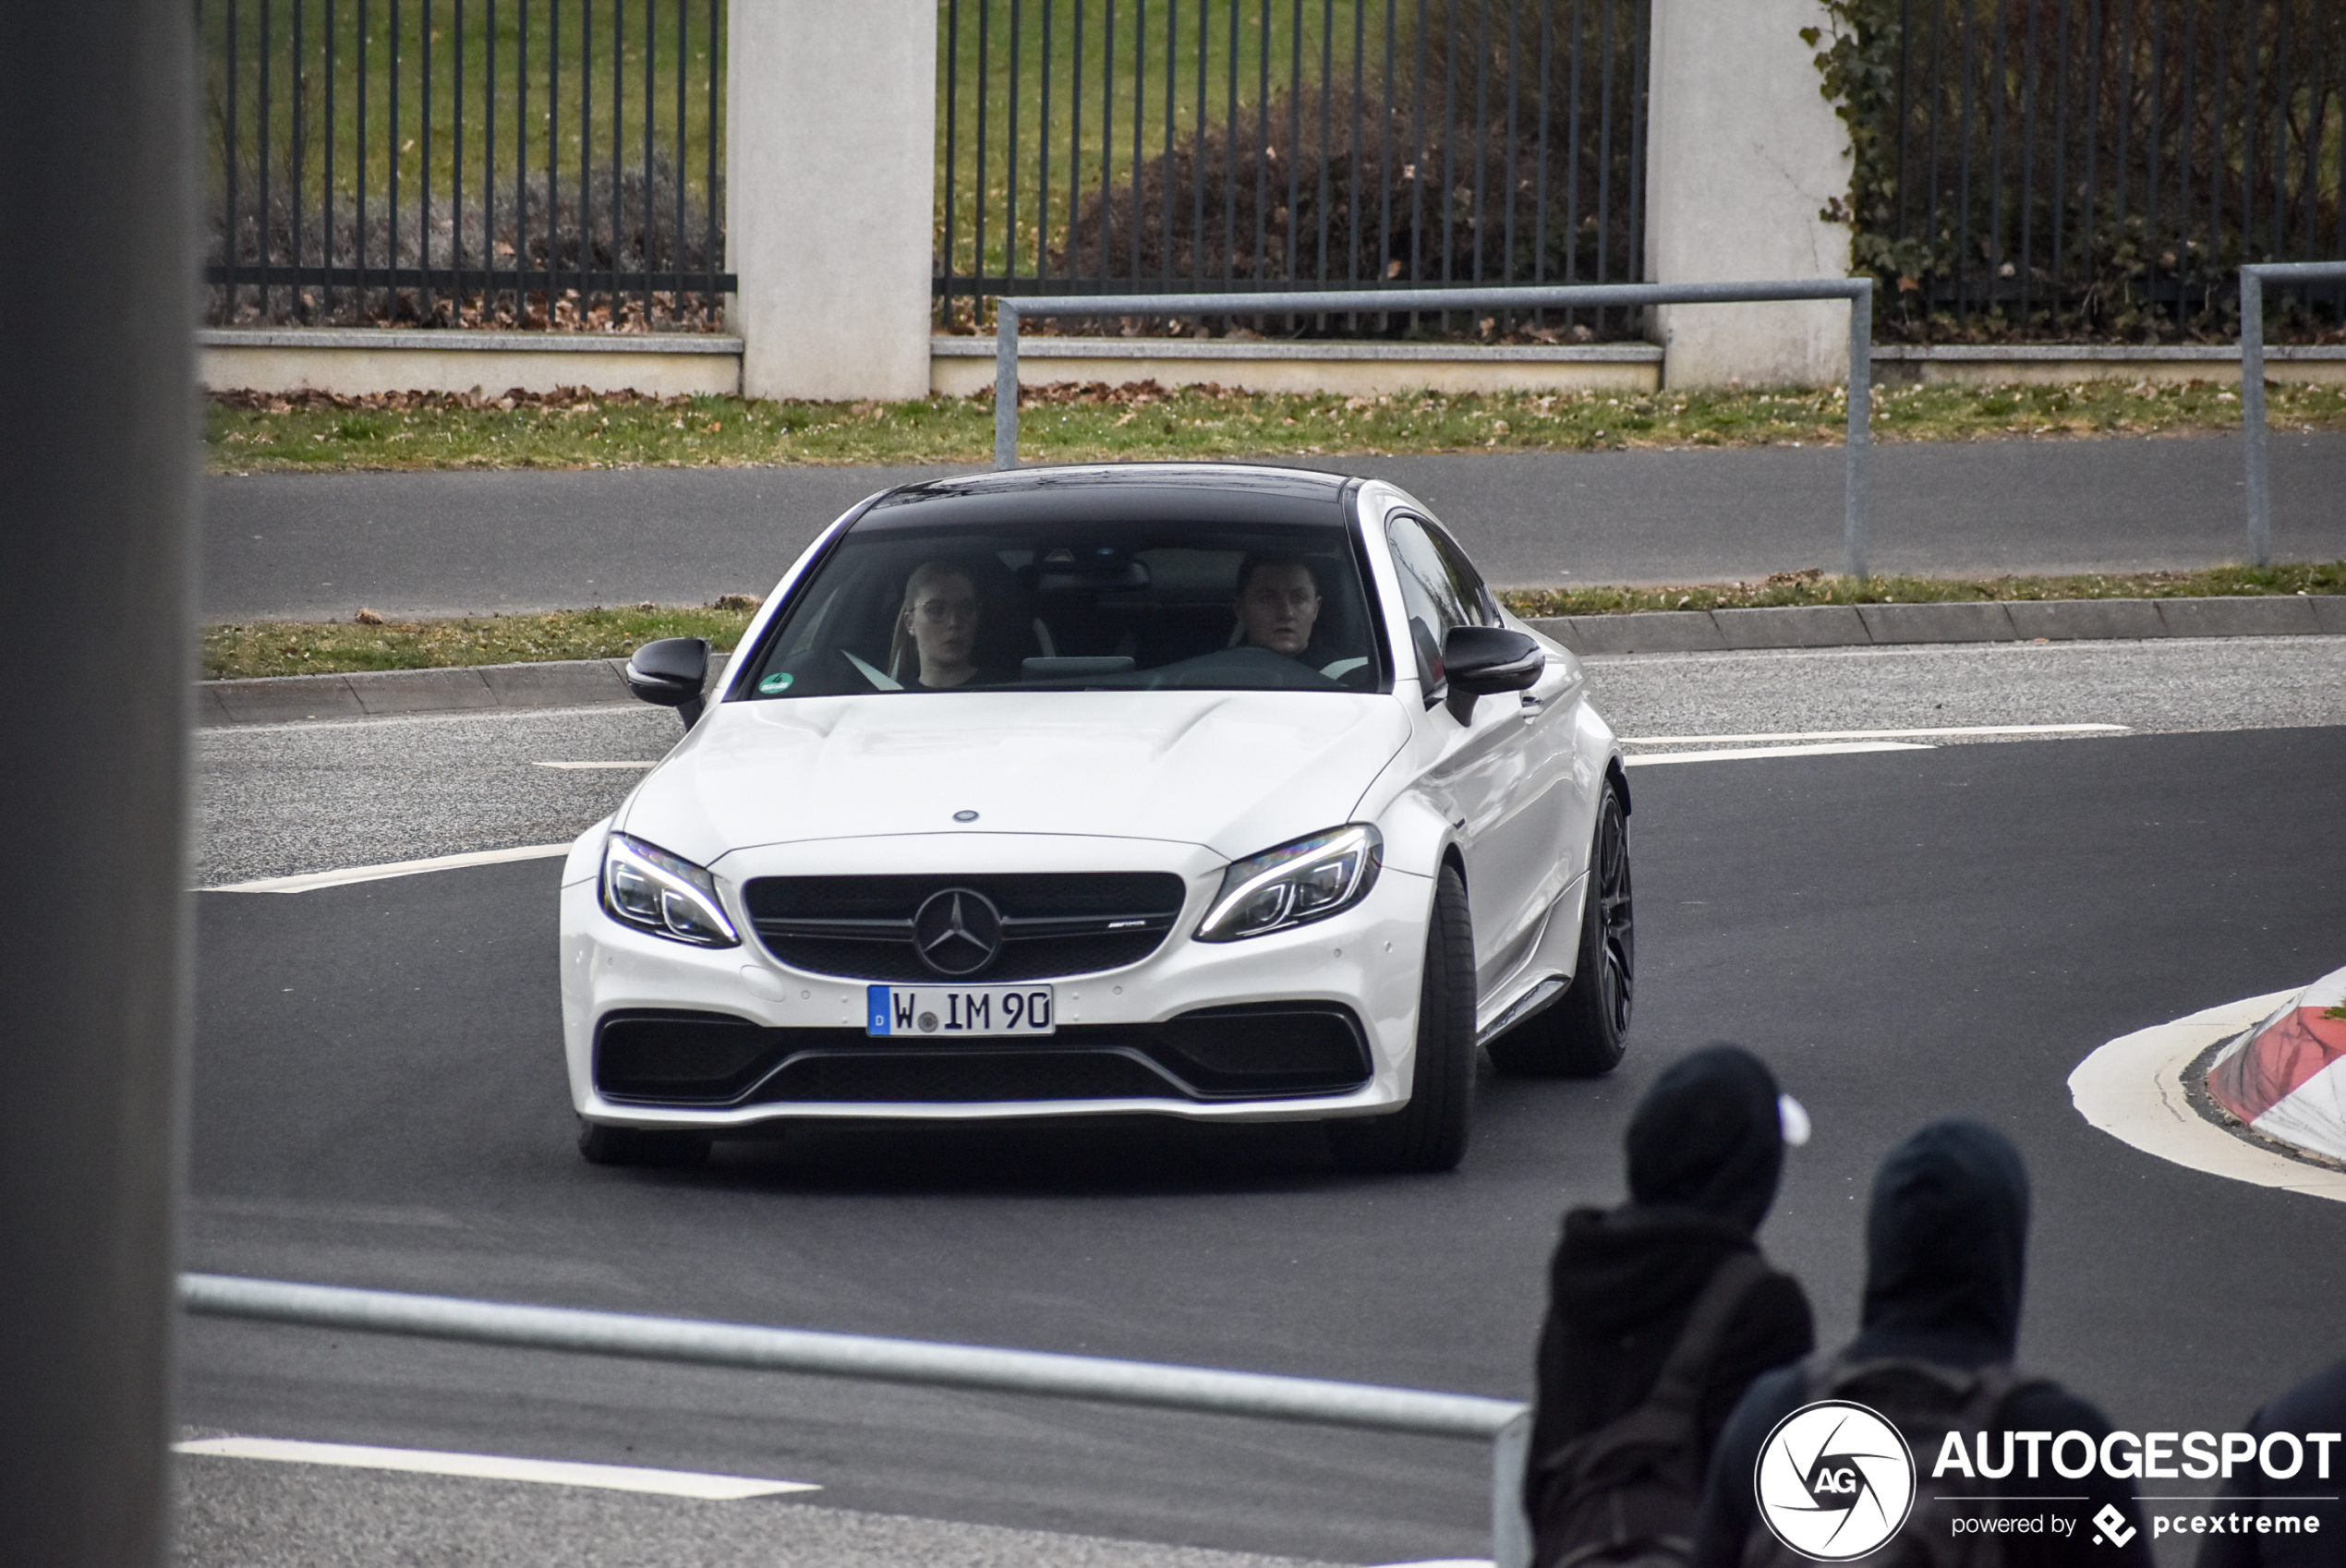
1482	660
672	672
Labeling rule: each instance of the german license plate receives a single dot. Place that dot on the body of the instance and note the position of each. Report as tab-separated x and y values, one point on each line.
958	1011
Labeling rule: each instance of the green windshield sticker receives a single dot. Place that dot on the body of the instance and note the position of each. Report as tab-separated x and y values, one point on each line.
777	681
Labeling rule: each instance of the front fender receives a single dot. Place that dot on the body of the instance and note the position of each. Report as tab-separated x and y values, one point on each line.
1420	828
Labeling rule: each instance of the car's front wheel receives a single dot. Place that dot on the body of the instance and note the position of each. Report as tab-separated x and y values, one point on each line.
1429	1132
1583	1032
603	1144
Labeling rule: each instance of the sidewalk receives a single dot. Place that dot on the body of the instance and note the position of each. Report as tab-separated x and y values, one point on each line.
315	546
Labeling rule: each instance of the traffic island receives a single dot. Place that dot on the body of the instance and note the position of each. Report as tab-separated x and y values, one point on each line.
2151	1089
2281	1080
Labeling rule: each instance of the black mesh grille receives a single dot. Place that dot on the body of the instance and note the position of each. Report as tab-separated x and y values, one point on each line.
860	928
681	1058
1294	1047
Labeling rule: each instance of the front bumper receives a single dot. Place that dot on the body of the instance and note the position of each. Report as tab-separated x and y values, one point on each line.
1315	1022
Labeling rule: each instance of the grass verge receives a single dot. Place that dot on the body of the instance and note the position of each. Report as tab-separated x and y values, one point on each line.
1813	586
247	649
315	432
258	649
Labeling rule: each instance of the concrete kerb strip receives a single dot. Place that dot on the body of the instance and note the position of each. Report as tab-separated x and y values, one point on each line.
294	699
1881	625
377	694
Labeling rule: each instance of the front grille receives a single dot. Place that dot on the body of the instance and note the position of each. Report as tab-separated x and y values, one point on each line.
1053	925
1278	1047
680	1058
1264	1051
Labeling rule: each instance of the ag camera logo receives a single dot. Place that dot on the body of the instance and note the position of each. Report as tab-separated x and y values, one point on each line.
1835	1480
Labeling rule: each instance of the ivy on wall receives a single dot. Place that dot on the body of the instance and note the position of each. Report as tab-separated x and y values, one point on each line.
2088	169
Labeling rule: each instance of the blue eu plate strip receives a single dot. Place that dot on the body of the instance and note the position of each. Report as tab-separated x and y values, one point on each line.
875	1003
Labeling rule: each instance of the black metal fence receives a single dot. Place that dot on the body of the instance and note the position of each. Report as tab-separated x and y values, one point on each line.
2082	169
1105	145
464	163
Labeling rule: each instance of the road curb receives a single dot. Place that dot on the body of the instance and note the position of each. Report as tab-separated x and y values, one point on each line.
380	694
594	682
1883	625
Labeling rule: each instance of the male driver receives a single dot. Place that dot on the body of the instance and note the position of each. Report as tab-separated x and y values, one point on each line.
1277	604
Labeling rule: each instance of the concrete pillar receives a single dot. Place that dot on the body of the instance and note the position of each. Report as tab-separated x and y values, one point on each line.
1743	154
830	163
98	145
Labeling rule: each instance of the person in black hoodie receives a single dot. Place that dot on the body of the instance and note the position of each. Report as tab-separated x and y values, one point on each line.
2318	1405
1705	1146
1946	1236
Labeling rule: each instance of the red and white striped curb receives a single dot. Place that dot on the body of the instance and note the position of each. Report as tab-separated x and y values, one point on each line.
2287	1078
2134	1089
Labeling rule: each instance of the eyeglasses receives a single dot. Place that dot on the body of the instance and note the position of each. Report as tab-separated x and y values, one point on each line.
936	612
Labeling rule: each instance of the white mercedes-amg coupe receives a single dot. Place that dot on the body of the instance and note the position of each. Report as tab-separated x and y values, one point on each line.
1194	790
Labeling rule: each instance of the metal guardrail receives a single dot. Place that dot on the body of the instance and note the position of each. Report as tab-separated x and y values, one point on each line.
1505	1424
1858	292
2254	280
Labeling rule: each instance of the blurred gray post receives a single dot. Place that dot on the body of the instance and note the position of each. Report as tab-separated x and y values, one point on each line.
1860	440
2257	439
96	508
2252	415
1005	383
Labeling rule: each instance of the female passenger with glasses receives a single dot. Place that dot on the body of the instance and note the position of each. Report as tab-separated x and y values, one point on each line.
935	629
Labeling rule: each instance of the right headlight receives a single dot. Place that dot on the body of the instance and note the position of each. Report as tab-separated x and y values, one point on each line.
646	888
1307	880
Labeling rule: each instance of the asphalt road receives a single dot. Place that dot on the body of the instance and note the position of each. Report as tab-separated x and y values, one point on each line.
318	546
276	800
378	1100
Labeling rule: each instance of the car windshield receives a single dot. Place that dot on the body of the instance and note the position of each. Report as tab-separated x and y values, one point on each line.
1064	605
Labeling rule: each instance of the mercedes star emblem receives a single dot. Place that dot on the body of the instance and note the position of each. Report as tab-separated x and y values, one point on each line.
957	932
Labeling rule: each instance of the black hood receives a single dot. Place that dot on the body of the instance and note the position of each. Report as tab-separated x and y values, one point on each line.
1622	1269
1708	1137
1946	1238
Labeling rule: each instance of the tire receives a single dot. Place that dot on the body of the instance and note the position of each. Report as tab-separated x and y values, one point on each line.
602	1144
1428	1134
1581	1034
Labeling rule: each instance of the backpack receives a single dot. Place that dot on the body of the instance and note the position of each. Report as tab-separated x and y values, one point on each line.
1925	1401
1625	1495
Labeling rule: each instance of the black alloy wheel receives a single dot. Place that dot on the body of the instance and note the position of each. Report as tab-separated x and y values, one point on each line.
1583	1033
1428	1134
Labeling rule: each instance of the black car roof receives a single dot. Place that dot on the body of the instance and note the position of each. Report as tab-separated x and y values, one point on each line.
1204	493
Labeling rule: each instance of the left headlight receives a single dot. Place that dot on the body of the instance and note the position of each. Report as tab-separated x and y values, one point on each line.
1307	880
652	890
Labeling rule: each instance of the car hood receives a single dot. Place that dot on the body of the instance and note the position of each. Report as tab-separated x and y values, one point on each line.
1236	771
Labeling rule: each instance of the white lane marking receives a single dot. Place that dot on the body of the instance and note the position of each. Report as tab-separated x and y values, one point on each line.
609	765
308	880
1736	753
2133	1090
1949	734
490	1467
1444	1562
